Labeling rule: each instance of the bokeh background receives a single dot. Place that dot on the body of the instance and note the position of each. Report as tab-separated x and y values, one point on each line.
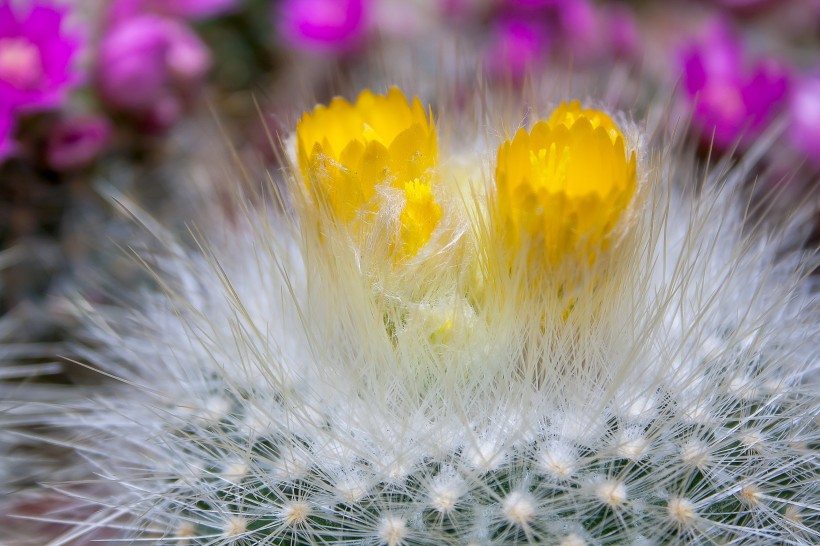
104	102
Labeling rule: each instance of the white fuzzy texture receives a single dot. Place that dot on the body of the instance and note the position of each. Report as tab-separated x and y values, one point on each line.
281	387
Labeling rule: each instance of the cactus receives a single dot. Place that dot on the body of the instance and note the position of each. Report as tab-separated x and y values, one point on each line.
425	364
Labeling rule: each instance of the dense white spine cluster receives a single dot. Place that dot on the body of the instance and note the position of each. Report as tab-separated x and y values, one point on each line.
263	400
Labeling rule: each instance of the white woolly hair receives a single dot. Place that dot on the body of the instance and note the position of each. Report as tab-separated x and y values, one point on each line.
282	383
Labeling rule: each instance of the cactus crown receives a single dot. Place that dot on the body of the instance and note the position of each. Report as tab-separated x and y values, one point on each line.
573	353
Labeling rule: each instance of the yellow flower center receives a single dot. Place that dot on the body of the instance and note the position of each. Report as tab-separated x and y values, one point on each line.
563	186
345	151
420	216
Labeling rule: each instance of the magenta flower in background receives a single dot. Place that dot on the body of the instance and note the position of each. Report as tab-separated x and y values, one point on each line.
7	120
731	102
150	67
804	117
517	46
76	142
323	26
36	56
575	30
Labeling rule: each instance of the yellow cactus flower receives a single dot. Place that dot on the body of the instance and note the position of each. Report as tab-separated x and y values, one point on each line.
563	186
345	151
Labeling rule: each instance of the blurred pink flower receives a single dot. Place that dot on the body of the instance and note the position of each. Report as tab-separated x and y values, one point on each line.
150	67
7	144
731	103
517	46
804	117
578	30
76	142
323	26
36	56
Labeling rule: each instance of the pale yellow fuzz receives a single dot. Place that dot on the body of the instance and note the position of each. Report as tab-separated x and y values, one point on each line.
345	151
564	185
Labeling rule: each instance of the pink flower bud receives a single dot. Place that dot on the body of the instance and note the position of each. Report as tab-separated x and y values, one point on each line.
76	142
323	26
187	58
150	67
